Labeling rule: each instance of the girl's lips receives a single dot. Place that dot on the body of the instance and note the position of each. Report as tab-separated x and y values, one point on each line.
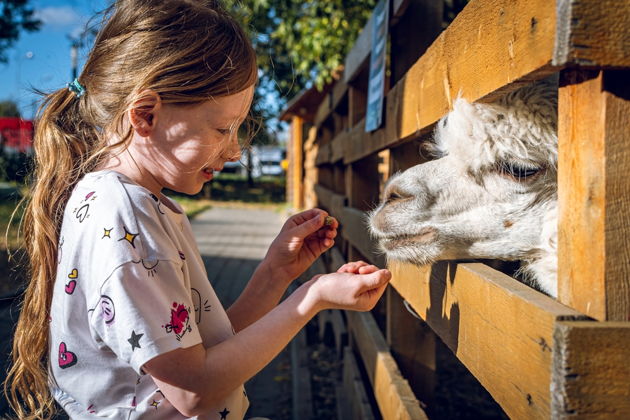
208	173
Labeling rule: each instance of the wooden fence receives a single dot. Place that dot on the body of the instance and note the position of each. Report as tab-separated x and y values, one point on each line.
537	357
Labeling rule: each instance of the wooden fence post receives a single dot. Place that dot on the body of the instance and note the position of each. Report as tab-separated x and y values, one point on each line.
594	193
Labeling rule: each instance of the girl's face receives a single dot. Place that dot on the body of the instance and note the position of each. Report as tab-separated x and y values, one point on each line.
189	143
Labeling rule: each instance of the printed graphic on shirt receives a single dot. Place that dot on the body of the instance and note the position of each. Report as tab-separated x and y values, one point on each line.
72	284
155	403
82	212
134	340
107	309
224	413
149	265
199	308
107	233
182	256
66	357
180	321
159	203
91	409
129	237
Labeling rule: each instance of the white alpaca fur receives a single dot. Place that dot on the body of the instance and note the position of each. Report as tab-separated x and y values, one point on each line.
469	202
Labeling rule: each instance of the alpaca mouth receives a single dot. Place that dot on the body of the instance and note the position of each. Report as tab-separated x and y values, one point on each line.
425	236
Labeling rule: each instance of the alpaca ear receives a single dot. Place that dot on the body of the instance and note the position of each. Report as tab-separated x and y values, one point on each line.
143	113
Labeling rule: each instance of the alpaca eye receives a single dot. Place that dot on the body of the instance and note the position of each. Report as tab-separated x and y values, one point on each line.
393	196
518	171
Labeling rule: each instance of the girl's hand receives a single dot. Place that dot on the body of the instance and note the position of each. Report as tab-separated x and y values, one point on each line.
302	239
344	290
357	267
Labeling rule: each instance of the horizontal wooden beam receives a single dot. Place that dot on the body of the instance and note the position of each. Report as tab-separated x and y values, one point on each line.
323	154
392	392
333	202
592	33
501	329
493	47
591	376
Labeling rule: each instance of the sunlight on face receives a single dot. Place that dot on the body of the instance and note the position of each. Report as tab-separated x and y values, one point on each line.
191	142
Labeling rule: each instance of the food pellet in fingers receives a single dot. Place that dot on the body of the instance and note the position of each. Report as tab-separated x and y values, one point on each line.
328	221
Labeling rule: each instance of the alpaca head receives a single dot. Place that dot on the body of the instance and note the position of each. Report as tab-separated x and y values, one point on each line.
489	192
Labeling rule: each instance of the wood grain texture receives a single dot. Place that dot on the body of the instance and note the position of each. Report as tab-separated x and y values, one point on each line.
594	195
499	328
296	163
591	375
492	47
412	343
593	33
392	392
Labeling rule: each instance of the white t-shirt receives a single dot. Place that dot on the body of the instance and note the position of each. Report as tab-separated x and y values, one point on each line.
130	285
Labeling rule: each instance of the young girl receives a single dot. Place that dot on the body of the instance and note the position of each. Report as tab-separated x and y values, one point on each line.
109	325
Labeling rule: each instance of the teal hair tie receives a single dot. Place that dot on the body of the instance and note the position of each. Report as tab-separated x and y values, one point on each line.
76	88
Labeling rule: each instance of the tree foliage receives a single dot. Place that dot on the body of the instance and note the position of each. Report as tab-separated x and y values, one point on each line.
301	42
15	16
9	109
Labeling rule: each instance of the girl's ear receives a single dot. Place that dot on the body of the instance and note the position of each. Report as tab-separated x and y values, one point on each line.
143	112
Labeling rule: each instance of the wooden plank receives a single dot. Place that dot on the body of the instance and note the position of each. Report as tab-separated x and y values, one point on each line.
593	33
323	154
356	232
296	164
594	193
501	329
330	200
591	375
338	146
392	392
357	405
491	48
412	344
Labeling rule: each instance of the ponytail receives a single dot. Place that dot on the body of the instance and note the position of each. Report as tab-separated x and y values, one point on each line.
62	143
185	51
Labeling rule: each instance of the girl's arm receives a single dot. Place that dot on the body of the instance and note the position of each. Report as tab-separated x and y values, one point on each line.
195	379
302	239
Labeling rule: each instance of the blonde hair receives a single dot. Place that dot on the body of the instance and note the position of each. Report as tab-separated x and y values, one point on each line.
186	51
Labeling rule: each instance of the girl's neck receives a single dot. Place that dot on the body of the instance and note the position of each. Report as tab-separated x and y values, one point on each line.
125	164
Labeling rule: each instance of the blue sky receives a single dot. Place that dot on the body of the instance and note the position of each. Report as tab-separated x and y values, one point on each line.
42	59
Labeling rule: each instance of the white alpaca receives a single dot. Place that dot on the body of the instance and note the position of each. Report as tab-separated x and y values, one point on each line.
489	193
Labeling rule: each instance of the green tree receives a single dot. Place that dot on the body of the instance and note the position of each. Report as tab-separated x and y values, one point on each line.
300	42
15	16
9	109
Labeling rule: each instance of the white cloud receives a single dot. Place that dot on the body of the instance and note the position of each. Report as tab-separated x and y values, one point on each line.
59	16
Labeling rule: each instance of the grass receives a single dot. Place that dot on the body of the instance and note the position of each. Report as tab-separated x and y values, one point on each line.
192	206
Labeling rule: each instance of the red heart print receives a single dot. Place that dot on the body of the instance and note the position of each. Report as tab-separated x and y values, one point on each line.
72	284
66	357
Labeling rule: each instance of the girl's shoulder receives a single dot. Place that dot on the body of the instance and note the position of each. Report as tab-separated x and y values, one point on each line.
107	205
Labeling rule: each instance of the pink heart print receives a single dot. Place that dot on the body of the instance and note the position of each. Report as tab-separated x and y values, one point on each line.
66	357
70	287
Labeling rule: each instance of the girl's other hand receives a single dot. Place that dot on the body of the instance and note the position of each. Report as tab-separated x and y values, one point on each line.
345	290
302	239
357	267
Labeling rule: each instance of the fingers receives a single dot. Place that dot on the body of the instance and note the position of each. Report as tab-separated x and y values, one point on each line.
375	279
355	267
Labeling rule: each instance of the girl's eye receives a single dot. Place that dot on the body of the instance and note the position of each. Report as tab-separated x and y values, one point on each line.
518	171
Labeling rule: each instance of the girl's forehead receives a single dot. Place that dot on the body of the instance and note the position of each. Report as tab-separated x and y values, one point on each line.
232	107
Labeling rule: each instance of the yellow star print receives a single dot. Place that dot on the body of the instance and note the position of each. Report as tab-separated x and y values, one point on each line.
129	237
107	233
